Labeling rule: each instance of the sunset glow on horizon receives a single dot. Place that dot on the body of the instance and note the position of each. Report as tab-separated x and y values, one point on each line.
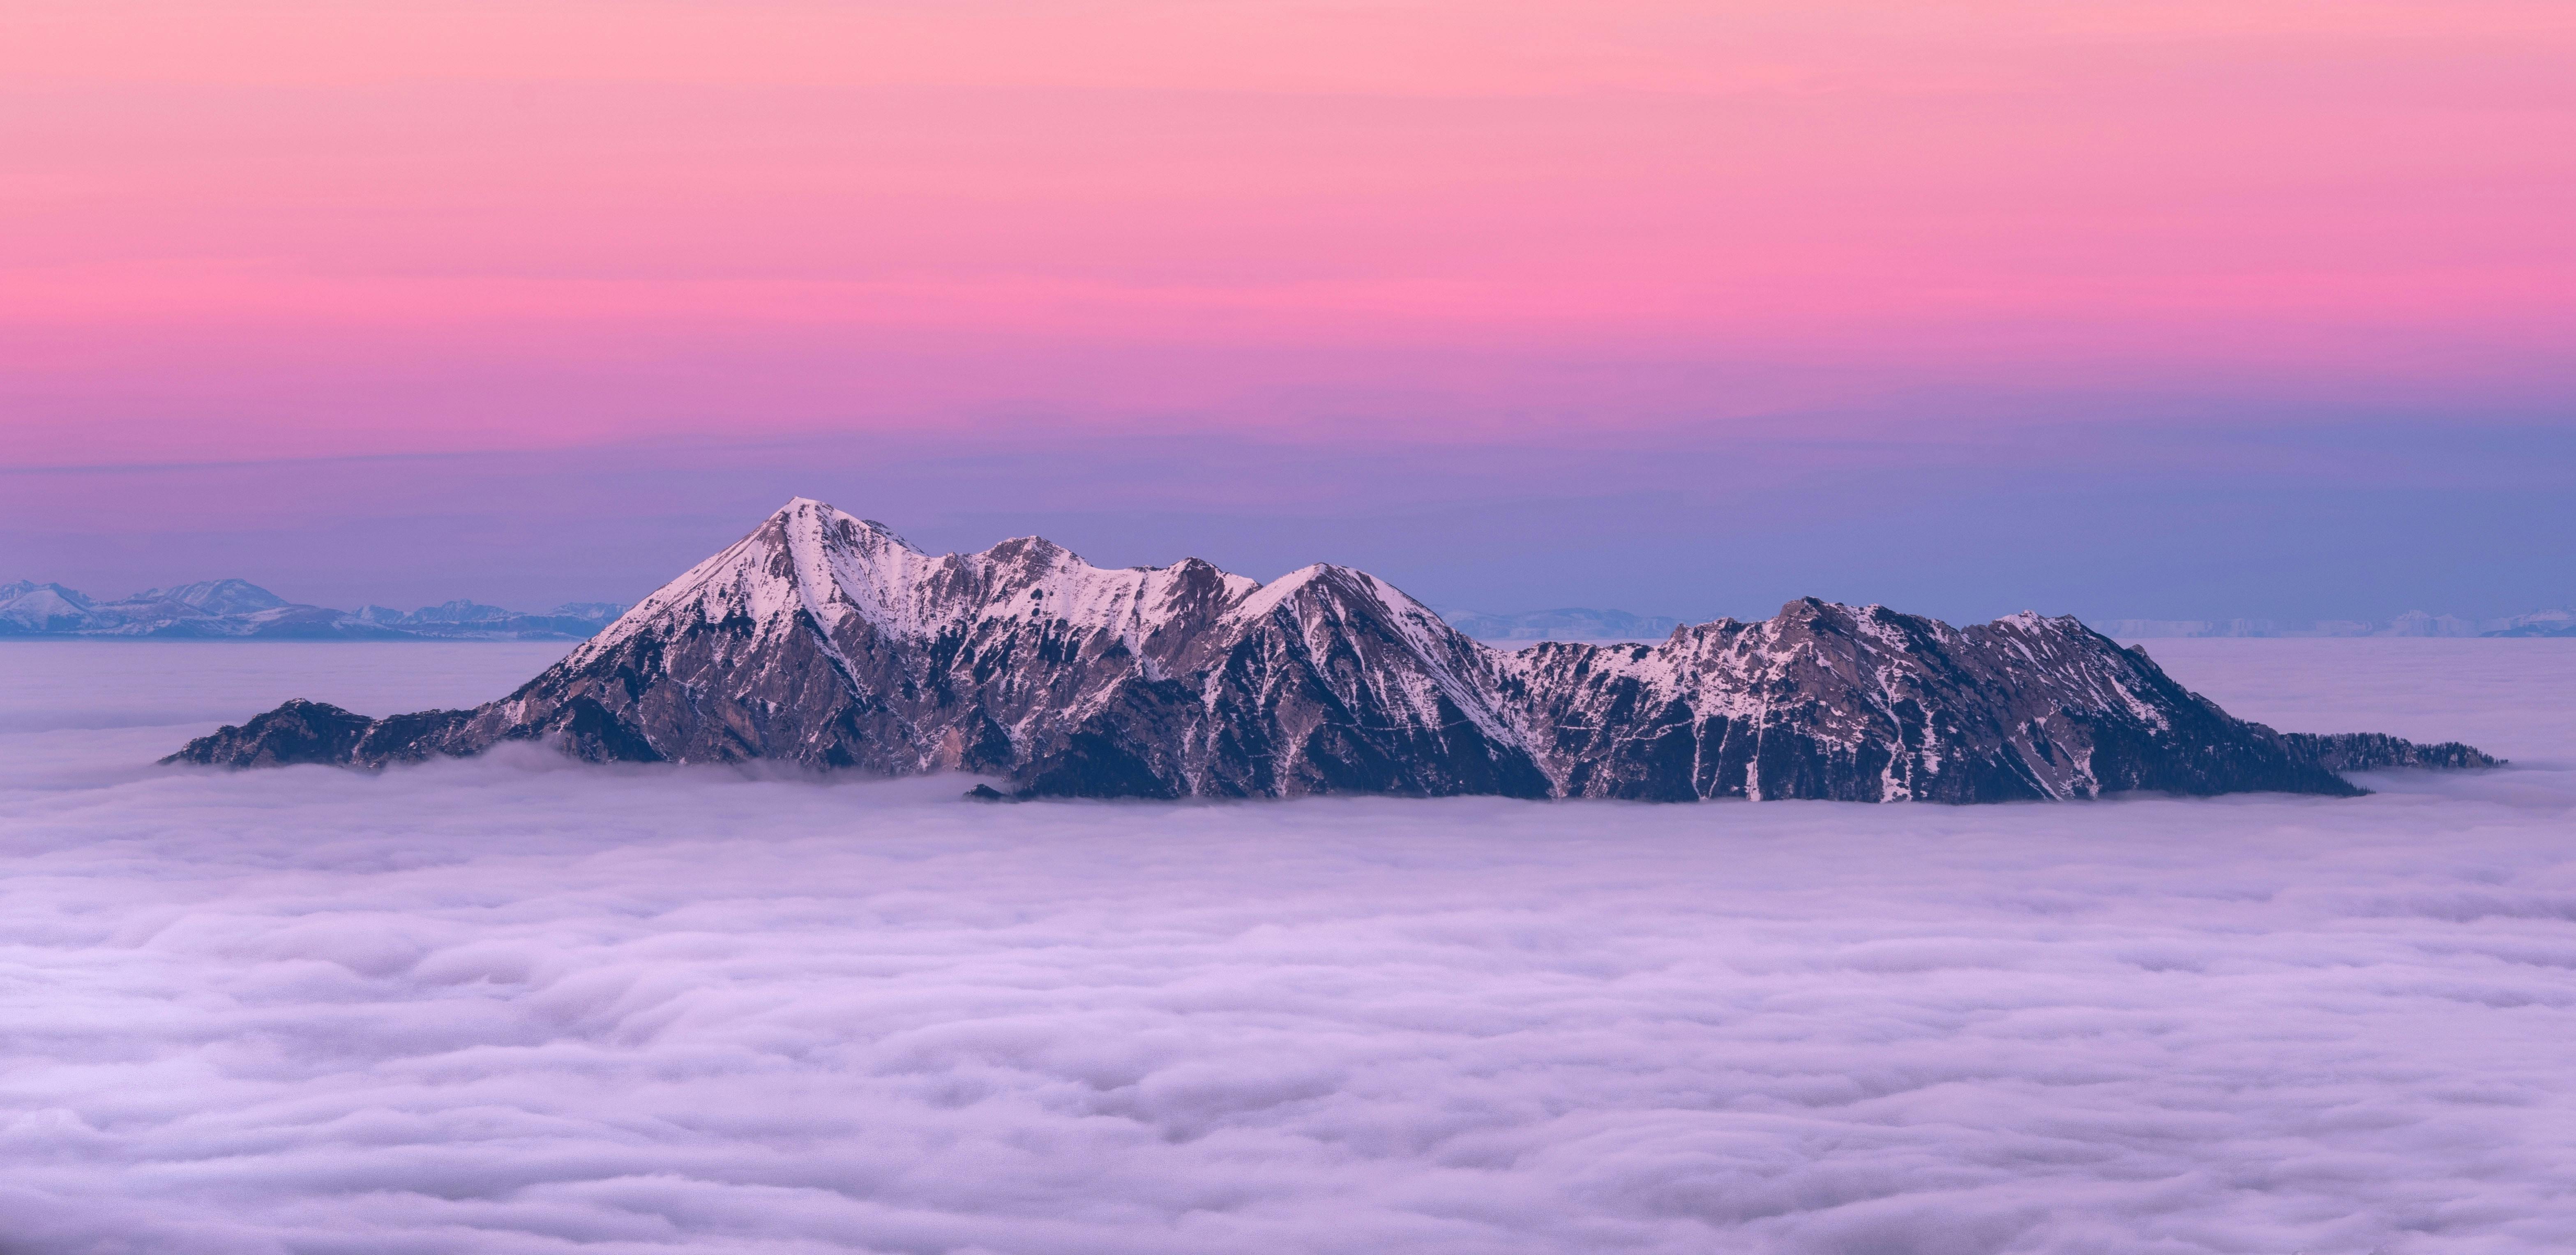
991	268
248	231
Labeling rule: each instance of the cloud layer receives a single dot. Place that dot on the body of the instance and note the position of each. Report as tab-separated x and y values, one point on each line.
515	1005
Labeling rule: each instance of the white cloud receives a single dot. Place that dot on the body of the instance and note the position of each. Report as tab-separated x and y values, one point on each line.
520	1006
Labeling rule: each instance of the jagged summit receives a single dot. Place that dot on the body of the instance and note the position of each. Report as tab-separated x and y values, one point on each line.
825	639
847	574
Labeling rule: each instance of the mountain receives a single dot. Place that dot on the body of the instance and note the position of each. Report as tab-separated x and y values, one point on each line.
825	640
2537	623
2411	623
1568	624
217	598
239	609
29	608
472	620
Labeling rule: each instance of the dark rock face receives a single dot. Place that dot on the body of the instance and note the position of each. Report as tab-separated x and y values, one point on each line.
2370	751
1865	704
297	732
318	732
825	640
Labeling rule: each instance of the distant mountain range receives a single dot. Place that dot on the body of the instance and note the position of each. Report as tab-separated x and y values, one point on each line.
2412	623
1575	624
1569	624
826	641
241	610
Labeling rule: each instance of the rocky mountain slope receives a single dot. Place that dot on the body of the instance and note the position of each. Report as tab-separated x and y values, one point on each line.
239	609
825	640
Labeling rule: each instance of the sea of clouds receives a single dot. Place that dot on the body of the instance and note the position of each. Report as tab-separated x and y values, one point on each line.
518	1005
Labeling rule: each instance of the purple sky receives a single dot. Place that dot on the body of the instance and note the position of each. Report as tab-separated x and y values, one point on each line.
2128	309
2183	510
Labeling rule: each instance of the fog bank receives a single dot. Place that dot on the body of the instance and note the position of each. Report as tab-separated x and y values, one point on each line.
522	1005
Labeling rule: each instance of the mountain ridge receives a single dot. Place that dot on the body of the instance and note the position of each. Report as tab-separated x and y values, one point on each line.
1563	623
826	640
233	609
2413	623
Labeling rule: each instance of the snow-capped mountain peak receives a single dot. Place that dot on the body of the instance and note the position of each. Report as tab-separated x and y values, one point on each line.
41	608
217	597
837	568
825	639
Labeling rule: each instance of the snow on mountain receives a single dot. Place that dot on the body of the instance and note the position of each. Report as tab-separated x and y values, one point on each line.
473	620
826	640
842	571
213	597
28	607
2537	623
459	611
589	611
834	641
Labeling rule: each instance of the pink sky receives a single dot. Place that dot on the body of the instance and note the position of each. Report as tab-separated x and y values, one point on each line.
251	230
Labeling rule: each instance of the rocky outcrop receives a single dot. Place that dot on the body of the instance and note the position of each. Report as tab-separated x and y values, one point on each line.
318	732
825	640
2373	751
